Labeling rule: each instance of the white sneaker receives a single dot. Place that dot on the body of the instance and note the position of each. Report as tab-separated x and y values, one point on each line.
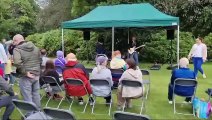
204	76
81	103
170	102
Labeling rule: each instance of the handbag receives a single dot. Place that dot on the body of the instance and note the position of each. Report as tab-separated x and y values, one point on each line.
201	108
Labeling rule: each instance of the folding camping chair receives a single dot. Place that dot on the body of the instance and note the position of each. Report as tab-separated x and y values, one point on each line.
77	82
118	115
101	83
186	85
146	80
49	80
59	113
116	75
27	107
130	83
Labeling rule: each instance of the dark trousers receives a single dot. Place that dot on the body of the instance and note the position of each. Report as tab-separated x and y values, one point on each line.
170	94
108	98
6	101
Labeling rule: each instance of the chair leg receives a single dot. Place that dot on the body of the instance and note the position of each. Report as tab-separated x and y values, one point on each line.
71	105
111	101
93	105
174	104
142	104
123	107
48	101
86	105
60	103
147	93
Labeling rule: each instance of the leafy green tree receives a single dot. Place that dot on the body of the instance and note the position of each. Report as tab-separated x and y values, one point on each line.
51	16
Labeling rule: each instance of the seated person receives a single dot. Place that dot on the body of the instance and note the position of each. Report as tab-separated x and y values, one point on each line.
76	70
183	72
117	62
5	100
102	72
51	71
60	62
44	57
134	74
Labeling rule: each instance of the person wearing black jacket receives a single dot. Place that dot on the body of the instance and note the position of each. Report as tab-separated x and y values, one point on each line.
6	101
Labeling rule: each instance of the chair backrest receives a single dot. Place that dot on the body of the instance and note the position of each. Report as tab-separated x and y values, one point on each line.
23	105
188	86
89	70
99	82
145	72
185	82
59	114
49	79
116	71
74	82
100	87
129	116
131	83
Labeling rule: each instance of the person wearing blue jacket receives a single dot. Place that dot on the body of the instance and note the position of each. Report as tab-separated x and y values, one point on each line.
182	72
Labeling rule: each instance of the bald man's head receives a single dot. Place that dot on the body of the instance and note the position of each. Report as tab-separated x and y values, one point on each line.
17	39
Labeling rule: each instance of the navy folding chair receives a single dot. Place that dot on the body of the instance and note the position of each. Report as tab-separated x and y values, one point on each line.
106	91
135	84
189	90
116	75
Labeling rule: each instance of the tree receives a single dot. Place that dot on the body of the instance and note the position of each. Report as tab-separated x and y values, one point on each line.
51	16
17	17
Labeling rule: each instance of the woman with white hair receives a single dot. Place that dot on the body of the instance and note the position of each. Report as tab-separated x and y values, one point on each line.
182	72
102	72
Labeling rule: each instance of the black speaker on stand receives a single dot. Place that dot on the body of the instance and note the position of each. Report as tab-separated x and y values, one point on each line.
86	37
170	36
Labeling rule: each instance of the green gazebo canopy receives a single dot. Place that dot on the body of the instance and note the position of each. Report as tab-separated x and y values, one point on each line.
124	15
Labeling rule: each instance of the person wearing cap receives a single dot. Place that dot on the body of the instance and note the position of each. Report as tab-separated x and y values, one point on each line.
102	72
132	74
117	62
182	72
198	53
73	69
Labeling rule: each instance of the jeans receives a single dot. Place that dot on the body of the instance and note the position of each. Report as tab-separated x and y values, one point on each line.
170	94
12	80
197	61
134	56
6	101
30	90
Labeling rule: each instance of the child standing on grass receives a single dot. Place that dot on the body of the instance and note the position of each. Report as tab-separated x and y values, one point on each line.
8	71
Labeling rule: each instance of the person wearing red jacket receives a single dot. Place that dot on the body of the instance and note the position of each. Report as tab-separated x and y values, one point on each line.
73	69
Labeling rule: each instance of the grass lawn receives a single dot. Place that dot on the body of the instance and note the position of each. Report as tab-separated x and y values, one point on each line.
157	106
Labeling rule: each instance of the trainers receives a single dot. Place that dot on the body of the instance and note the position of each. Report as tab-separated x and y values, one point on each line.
80	100
170	102
204	76
186	102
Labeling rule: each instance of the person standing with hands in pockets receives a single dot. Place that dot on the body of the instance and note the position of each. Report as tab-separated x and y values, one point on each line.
198	53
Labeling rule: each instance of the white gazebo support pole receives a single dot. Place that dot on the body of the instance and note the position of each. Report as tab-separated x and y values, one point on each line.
113	29
178	45
62	41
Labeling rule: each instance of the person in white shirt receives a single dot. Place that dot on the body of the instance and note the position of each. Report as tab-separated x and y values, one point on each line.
198	53
3	57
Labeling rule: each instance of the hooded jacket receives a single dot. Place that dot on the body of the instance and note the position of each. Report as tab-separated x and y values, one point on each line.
75	70
27	58
134	75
